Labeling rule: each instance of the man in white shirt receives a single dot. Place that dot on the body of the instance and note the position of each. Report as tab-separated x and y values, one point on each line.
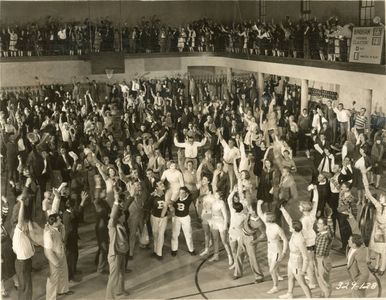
24	250
191	149
343	116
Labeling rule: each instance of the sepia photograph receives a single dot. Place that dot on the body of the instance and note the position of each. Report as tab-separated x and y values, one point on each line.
192	149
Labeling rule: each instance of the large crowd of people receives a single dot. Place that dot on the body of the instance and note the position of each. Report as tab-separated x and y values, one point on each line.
144	153
309	39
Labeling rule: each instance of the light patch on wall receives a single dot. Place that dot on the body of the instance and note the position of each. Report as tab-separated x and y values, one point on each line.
165	64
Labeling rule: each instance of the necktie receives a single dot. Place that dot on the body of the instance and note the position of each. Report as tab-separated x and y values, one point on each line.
156	163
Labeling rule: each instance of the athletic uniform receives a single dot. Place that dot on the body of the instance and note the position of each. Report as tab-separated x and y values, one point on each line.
158	223
217	222
182	219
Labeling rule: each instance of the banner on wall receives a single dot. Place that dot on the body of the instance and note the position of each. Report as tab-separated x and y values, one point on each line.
366	45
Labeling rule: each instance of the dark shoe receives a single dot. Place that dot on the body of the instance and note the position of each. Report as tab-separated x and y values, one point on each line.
75	279
380	273
174	253
259	280
236	277
104	272
66	293
123	295
130	257
159	257
192	253
128	270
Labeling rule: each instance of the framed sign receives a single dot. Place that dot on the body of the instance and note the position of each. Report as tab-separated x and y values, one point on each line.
366	45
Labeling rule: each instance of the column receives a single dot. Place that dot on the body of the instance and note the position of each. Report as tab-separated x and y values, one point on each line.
304	95
229	78
260	86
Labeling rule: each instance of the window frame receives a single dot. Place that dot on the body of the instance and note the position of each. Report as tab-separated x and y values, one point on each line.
366	12
305	9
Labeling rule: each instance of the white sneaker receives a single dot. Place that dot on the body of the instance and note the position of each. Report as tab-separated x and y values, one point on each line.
280	278
230	261
274	290
205	252
232	267
286	296
312	286
213	258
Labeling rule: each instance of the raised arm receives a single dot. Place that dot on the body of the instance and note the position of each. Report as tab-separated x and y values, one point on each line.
260	211
114	211
286	216
178	144
368	193
99	167
181	179
315	200
202	143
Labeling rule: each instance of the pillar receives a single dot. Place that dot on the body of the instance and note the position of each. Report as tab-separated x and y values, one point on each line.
260	87
304	94
229	78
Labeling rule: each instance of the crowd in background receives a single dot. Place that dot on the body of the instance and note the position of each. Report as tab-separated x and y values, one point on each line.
143	151
310	39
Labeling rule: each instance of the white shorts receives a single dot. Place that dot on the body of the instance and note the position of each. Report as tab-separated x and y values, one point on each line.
217	223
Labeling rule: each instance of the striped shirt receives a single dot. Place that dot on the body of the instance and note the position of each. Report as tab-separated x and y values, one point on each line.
360	122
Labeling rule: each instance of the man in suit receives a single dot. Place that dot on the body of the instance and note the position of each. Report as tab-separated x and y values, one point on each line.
357	265
65	164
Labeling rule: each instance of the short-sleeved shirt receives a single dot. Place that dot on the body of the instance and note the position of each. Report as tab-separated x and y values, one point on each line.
22	245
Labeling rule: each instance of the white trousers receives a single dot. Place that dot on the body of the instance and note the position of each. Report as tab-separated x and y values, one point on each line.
158	226
57	281
185	223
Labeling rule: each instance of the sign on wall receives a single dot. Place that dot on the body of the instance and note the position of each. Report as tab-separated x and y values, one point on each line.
366	45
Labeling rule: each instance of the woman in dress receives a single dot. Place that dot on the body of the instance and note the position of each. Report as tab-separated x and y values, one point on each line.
252	126
377	152
97	40
13	38
347	212
361	167
181	40
265	188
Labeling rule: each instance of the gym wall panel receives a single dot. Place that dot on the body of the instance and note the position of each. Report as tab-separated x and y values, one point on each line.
164	64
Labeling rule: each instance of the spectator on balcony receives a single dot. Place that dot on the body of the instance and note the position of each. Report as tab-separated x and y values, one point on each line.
321	43
62	39
4	42
13	38
181	39
306	41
